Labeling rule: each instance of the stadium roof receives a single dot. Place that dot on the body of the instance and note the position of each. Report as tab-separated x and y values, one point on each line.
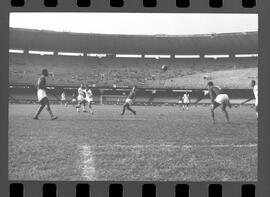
227	43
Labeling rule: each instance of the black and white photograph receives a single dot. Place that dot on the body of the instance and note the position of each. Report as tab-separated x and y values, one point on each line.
133	97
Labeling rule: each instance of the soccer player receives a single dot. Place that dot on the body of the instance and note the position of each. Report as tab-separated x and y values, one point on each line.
129	100
255	93
89	98
180	101
185	101
42	96
63	99
81	98
74	99
218	98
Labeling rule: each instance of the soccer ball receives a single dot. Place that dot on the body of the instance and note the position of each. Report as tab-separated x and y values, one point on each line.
164	68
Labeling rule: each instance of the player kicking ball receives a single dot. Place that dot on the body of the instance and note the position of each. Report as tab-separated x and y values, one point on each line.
42	96
89	98
129	100
81	98
218	98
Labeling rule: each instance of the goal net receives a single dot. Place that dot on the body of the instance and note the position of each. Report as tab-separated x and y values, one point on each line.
112	99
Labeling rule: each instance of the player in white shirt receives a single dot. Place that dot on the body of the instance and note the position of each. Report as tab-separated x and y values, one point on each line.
89	98
255	95
81	98
63	99
185	101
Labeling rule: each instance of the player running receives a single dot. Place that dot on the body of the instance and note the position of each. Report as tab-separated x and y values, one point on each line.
185	101
81	98
89	98
218	98
129	100
42	96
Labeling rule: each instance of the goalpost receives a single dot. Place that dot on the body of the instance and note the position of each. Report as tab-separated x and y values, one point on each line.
112	99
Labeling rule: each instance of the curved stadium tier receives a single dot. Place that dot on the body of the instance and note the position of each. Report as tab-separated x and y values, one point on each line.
230	72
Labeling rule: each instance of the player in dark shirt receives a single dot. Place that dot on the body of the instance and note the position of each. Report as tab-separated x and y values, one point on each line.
42	96
218	98
129	100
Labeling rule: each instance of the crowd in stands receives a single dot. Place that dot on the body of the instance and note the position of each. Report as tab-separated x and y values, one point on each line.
109	71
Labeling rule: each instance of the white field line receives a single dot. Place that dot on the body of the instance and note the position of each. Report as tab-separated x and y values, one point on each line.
176	146
87	163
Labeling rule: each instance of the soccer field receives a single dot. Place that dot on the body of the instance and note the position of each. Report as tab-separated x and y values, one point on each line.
159	143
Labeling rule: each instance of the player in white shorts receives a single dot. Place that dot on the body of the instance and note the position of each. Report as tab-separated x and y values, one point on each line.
42	96
218	98
129	100
81	98
89	98
185	101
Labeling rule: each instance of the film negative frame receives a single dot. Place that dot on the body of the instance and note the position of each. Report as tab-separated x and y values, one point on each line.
134	189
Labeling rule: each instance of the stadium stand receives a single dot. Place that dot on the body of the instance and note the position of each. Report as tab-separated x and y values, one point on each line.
111	71
232	43
184	73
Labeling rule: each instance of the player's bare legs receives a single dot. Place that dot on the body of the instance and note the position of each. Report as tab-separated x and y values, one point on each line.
124	109
90	107
213	115
213	107
47	103
223	108
126	105
84	110
133	111
81	103
39	110
78	106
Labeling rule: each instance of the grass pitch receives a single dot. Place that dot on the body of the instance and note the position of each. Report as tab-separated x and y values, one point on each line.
159	143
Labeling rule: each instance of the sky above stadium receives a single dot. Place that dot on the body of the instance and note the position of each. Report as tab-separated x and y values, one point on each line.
136	23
